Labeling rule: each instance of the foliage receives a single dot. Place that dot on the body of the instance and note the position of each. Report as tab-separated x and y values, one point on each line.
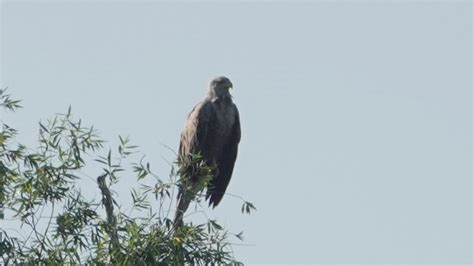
79	230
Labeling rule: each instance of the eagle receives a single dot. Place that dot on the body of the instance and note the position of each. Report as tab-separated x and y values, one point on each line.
212	131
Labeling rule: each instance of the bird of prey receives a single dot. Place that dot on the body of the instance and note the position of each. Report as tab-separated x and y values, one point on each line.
212	130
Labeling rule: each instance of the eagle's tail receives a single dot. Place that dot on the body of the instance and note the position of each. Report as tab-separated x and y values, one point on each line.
183	204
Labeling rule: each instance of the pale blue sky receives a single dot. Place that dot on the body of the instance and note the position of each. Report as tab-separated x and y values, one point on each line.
356	116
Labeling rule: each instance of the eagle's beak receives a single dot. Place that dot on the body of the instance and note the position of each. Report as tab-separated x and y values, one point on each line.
231	87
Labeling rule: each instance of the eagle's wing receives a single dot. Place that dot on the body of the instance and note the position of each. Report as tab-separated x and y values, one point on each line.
194	136
193	140
225	165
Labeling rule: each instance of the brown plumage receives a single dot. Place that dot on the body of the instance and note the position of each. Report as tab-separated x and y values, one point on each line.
212	130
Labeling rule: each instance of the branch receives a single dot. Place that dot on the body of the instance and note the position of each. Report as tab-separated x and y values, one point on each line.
107	201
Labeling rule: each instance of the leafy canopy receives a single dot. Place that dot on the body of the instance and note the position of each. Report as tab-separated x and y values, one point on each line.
39	190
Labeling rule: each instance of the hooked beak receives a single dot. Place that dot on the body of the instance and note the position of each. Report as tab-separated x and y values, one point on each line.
231	87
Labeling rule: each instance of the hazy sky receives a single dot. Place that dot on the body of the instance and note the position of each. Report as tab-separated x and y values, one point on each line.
356	116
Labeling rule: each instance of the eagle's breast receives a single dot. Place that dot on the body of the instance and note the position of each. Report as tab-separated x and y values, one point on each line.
222	127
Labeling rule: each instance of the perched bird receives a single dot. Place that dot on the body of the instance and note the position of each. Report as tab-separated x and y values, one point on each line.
212	130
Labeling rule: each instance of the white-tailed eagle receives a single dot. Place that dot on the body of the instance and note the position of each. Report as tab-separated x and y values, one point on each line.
212	130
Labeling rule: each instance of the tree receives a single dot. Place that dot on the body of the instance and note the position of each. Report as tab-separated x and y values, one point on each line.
39	189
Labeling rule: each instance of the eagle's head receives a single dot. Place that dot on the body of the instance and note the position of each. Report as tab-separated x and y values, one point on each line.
219	87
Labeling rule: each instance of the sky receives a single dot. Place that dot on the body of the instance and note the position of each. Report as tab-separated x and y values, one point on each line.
356	116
